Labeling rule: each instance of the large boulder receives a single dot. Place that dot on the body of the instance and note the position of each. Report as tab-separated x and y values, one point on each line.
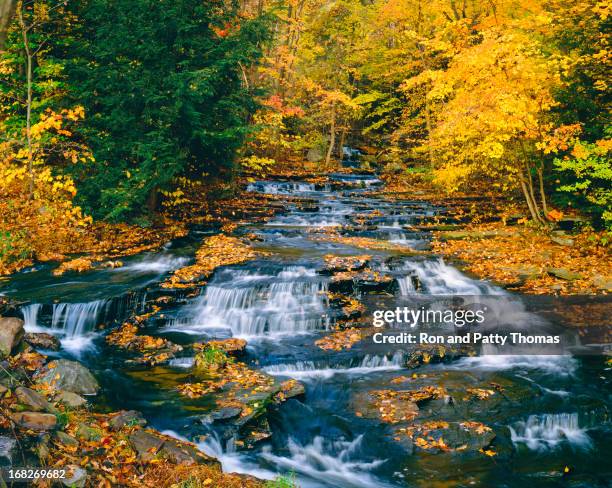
11	333
69	376
32	399
35	420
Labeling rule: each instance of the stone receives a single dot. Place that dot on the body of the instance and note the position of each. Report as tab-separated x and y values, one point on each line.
145	444
563	274
225	413
562	241
66	439
603	282
69	376
179	452
35	420
86	433
42	340
127	417
70	399
11	333
77	477
32	399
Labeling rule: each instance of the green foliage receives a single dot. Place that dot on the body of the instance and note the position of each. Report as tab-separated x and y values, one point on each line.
286	481
13	247
590	178
162	85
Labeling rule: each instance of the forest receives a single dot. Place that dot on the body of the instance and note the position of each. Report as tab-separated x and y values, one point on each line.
280	170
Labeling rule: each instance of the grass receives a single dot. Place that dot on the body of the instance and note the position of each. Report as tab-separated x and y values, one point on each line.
285	481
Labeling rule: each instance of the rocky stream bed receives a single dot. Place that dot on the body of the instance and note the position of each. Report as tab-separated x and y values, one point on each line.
264	359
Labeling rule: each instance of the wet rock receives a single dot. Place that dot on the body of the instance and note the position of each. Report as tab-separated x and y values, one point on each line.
35	420
128	418
77	477
33	400
42	340
66	439
11	333
11	377
69	376
225	413
471	436
290	389
563	274
256	434
70	399
42	448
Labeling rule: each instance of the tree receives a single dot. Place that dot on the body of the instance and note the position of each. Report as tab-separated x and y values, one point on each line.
163	86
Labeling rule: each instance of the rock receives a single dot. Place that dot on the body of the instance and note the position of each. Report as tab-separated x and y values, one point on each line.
145	444
7	448
563	274
179	452
11	333
41	340
42	447
77	477
471	436
66	439
225	413
3	390
232	346
32	399
603	282
70	399
35	420
86	433
291	389
69	376
562	241
127	417
571	223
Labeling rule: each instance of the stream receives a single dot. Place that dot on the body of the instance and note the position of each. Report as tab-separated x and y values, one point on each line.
553	413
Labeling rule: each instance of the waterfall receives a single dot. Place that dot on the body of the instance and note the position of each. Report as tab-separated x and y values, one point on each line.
251	303
331	462
547	431
280	187
437	278
75	319
30	317
310	369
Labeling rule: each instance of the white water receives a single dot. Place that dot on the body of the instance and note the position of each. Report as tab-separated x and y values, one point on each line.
330	462
280	187
552	364
291	301
159	264
542	432
438	278
309	369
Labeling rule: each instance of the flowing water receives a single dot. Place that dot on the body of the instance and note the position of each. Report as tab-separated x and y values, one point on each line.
555	407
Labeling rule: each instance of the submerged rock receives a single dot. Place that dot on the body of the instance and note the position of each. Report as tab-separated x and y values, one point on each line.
11	333
69	376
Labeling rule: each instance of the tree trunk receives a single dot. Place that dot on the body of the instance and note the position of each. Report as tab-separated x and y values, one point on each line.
332	136
153	199
28	54
7	9
532	210
542	192
341	143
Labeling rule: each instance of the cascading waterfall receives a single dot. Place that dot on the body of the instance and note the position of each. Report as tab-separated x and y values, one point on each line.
311	369
547	431
252	304
438	278
75	319
279	187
